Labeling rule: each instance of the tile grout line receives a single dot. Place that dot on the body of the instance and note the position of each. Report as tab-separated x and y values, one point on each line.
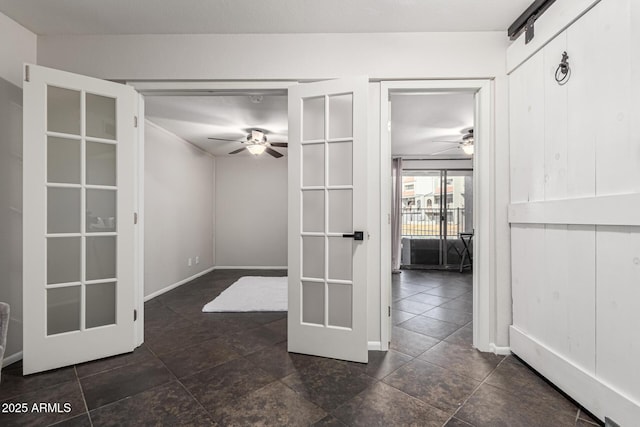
413	398
129	396
307	400
476	389
108	369
84	400
211	417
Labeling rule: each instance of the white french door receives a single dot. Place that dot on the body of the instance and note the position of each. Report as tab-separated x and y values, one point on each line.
78	219
327	219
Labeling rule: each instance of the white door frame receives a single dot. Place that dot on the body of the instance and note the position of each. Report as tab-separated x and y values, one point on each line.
139	231
484	314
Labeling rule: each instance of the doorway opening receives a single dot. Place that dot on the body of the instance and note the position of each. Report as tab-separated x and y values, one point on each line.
342	138
432	219
438	151
185	180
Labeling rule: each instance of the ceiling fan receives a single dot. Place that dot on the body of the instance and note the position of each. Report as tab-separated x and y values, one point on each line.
466	143
256	143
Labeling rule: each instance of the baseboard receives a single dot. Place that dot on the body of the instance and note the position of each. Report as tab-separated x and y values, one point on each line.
8	360
502	351
249	267
374	346
598	397
175	285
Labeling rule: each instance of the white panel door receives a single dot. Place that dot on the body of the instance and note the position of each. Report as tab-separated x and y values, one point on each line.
78	219
327	207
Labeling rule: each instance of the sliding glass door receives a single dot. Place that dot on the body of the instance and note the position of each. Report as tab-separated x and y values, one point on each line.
437	206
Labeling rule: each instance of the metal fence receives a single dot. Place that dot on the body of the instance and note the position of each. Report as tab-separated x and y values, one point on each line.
425	222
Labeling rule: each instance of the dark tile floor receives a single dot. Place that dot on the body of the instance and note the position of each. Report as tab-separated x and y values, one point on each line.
201	369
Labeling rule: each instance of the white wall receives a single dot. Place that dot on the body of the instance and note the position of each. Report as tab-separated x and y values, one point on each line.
179	204
251	211
290	56
281	56
18	45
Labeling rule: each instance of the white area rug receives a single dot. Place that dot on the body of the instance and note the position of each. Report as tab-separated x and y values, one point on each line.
251	293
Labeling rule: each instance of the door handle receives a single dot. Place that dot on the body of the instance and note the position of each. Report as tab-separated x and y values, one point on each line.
357	235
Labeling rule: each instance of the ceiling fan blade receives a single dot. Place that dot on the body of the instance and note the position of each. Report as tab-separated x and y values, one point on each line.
224	139
279	144
273	152
444	151
237	151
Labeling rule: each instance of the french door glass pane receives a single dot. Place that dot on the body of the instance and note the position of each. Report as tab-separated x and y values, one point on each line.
63	210
101	304
101	210
63	310
313	119
340	311
101	258
101	163
63	260
63	110
313	302
63	160
313	165
313	257
340	258
101	116
313	206
341	116
341	163
340	211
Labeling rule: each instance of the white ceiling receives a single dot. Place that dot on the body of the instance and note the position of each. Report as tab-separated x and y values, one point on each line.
49	17
423	125
419	123
195	118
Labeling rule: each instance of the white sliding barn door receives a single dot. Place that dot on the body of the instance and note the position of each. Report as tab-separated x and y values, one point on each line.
327	219
78	218
575	212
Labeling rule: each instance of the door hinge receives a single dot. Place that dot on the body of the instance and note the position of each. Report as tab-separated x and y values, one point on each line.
27	73
135	315
389	307
135	121
135	218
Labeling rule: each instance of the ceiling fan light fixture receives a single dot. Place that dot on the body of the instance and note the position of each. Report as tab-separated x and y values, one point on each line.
467	148
257	136
256	149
